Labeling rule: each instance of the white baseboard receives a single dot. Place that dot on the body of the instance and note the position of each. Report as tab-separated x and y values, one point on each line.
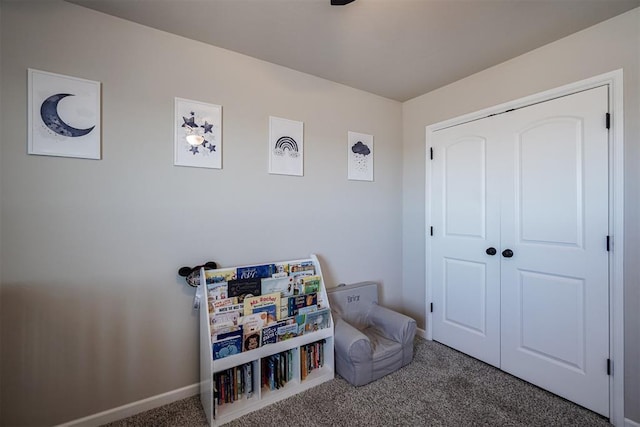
629	423
134	408
421	333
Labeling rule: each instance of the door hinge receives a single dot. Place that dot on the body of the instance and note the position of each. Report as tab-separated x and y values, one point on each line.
609	366
608	121
431	152
431	230
431	307
608	243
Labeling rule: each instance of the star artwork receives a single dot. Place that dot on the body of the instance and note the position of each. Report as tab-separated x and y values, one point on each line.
192	126
197	134
189	122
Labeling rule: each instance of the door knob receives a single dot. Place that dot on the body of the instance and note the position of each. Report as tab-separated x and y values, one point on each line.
507	253
491	251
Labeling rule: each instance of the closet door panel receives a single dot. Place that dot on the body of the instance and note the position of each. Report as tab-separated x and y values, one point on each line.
554	289
466	222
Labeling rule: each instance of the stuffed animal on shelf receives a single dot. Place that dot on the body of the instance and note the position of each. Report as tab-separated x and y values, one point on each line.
192	274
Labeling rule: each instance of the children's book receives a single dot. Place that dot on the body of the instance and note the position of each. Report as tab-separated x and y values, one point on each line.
286	332
242	288
227	344
318	320
299	320
250	303
221	320
228	308
269	333
311	284
225	332
256	271
298	280
215	276
251	340
302	266
217	290
308	309
284	307
271	310
284	285
216	305
282	270
300	301
254	322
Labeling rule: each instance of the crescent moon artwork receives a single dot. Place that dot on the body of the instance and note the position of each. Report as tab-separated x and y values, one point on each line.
64	116
50	117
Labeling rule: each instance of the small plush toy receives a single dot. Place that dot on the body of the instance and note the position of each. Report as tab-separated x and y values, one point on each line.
192	274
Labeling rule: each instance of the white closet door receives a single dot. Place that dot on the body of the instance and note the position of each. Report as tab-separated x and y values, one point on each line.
533	184
466	222
555	289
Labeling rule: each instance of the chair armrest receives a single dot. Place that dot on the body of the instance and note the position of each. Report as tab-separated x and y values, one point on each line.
393	325
350	341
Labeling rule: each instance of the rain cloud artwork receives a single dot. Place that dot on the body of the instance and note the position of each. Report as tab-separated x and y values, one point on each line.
360	156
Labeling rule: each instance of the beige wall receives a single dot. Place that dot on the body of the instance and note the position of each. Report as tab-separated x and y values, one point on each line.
93	312
605	47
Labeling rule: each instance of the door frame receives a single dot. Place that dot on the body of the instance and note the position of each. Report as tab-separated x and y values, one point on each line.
614	80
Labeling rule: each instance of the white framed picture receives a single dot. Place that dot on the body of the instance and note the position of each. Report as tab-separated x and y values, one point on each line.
197	134
63	116
360	156
286	146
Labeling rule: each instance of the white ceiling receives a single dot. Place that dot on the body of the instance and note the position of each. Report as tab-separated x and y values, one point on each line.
398	49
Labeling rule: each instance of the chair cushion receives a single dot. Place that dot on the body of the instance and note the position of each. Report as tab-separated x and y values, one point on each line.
387	354
381	347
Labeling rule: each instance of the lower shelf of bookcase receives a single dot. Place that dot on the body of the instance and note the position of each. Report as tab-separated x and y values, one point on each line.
230	411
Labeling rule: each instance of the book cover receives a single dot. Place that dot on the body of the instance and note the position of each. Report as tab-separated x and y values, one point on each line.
262	300
221	320
286	332
215	333
217	304
269	333
300	320
284	307
256	271
302	266
251	340
300	301
309	309
282	270
242	288
270	310
228	308
298	280
227	347
214	276
227	332
254	322
283	285
217	290
318	320
311	284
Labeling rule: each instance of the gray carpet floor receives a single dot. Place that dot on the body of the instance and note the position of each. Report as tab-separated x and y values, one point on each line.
441	387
